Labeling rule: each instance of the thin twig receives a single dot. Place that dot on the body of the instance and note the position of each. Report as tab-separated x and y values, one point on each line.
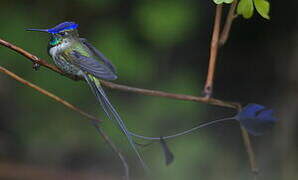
213	52
31	57
93	119
115	149
47	93
148	92
34	59
228	24
250	152
42	62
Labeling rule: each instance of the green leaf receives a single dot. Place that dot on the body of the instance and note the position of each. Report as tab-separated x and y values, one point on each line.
222	1
228	1
263	8
218	1
245	8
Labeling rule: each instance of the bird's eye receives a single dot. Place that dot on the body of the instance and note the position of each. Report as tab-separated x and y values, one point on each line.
63	33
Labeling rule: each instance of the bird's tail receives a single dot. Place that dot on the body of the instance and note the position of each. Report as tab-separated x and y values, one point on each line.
111	112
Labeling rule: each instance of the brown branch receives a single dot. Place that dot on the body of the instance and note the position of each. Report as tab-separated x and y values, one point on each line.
148	92
34	59
95	121
47	93
250	152
228	24
208	89
42	62
213	52
31	57
115	149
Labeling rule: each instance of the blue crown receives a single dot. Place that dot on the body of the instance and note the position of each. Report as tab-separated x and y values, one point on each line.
59	28
63	26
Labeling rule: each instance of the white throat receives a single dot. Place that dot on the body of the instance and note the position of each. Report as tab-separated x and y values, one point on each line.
55	50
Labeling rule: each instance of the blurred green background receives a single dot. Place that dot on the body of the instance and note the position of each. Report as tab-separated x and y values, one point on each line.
162	45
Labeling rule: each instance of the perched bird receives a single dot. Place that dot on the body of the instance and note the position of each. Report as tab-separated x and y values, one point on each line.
75	56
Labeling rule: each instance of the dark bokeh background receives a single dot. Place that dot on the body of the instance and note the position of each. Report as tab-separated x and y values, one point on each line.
160	45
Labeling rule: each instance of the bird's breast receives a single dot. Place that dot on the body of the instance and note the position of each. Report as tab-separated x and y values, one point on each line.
61	60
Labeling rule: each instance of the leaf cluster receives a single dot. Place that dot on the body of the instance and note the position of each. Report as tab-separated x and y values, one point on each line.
246	7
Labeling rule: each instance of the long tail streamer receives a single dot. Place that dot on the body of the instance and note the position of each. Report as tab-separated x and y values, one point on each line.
111	112
113	115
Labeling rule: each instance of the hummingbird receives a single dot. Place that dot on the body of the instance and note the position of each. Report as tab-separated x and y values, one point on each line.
75	56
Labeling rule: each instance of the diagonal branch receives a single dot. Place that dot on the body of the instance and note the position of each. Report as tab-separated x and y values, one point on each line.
31	57
93	119
47	93
111	85
115	149
148	92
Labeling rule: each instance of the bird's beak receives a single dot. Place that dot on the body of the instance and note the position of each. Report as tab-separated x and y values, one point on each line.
40	30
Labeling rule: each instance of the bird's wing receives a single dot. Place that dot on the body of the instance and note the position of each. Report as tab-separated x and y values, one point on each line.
98	54
92	66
